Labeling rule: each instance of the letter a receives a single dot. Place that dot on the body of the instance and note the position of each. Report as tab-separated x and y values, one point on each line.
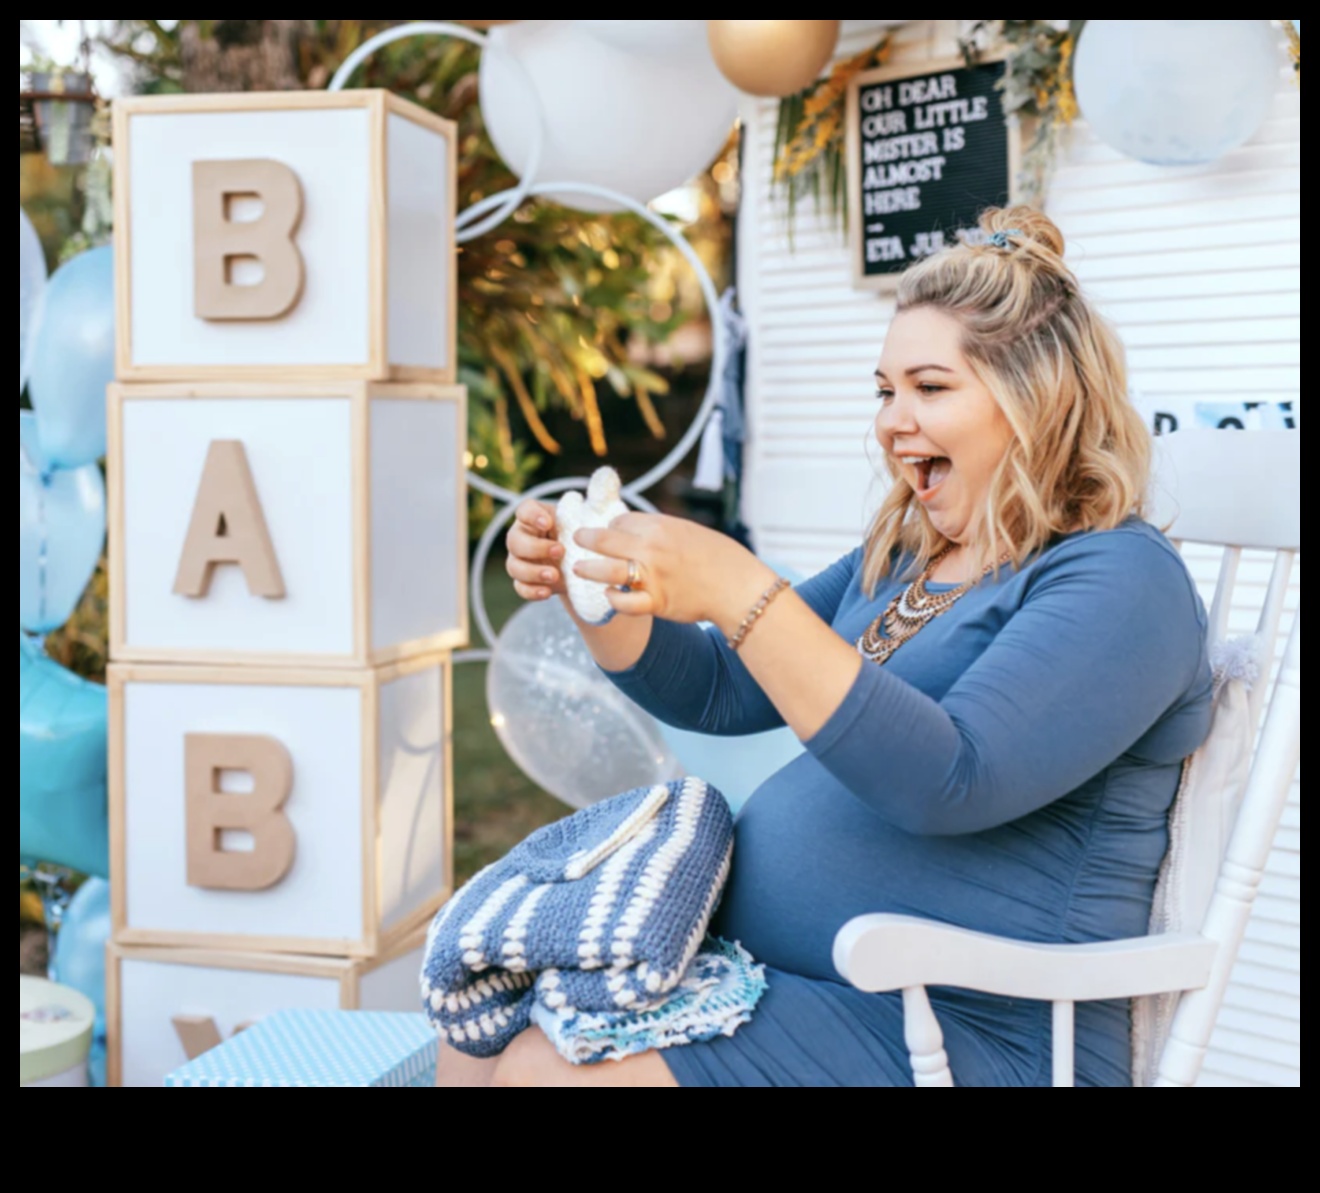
228	526
219	240
211	811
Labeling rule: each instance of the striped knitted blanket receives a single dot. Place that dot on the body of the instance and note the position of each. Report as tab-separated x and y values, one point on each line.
600	913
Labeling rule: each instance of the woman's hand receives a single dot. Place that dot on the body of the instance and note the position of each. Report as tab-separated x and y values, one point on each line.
534	553
687	572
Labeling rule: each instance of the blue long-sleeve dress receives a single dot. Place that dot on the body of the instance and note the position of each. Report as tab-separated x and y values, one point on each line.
1009	770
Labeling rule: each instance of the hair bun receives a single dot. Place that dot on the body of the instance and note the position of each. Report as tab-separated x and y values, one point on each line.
1024	224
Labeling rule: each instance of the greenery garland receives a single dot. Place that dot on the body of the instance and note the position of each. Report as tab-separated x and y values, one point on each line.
812	126
811	133
1037	87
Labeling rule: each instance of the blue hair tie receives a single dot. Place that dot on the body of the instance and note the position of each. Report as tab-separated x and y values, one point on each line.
1001	239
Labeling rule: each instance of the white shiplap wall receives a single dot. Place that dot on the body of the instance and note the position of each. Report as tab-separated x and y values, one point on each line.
1200	270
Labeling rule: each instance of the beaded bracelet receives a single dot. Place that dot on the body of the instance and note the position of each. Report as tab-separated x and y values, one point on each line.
756	612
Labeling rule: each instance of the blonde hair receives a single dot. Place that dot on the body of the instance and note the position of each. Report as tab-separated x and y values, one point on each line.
1080	456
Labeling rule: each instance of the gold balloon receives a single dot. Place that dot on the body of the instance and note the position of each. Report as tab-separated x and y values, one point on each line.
772	58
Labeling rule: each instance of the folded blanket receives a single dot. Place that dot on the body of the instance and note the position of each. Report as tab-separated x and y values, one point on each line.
614	899
715	998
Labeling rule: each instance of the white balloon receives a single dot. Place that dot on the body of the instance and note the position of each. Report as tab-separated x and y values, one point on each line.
638	124
1176	93
31	288
562	721
648	37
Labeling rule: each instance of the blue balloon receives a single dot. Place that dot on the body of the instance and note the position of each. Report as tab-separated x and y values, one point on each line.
79	960
736	766
73	359
61	529
62	816
31	290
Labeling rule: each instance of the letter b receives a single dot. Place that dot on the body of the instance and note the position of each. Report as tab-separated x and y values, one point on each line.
220	241
211	811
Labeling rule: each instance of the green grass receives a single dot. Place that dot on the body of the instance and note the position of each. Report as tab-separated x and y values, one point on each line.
495	804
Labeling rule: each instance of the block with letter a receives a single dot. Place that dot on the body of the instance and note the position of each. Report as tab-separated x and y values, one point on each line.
298	524
287	235
267	811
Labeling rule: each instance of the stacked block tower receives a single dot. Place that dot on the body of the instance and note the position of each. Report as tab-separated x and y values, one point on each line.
288	561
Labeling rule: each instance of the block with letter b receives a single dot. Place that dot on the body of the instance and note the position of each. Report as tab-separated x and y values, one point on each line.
292	235
279	811
295	524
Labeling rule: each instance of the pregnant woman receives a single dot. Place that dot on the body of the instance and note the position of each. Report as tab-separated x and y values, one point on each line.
996	690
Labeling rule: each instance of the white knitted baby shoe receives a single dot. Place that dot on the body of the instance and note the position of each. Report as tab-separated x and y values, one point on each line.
601	506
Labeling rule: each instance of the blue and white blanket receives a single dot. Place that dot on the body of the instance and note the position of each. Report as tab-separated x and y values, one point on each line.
599	915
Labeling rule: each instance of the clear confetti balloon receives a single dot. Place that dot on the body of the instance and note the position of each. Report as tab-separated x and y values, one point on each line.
568	728
31	287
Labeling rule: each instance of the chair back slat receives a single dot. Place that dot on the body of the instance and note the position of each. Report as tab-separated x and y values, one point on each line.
1220	611
1270	624
1277	758
1239	492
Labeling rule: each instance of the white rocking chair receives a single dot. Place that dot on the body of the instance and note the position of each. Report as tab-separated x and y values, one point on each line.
1232	490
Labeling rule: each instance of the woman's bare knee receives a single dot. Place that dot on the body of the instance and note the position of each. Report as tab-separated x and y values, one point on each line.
531	1062
454	1070
522	1064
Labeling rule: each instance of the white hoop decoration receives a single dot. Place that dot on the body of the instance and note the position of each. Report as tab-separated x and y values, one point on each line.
631	493
466	225
719	351
492	211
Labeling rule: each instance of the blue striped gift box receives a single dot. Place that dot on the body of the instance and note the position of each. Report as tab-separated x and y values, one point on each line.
319	1049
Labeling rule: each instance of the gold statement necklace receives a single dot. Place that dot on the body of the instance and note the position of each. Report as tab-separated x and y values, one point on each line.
913	609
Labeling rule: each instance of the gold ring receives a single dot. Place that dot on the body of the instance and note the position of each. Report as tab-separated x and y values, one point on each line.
634	575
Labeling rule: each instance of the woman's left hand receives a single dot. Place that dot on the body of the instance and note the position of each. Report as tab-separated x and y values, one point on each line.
685	571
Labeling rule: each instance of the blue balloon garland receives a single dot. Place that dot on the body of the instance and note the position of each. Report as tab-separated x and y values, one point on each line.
62	809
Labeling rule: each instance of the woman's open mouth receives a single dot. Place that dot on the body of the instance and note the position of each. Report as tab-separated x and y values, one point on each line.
932	472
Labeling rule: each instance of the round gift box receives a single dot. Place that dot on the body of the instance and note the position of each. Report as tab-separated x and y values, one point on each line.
54	1034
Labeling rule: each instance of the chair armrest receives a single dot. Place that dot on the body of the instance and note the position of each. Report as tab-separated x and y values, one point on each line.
884	953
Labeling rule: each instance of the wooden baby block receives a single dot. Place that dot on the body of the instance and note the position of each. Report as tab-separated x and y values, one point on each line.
165	1007
313	524
279	811
212	812
284	236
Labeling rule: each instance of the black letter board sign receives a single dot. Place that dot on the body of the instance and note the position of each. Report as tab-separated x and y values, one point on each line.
927	153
